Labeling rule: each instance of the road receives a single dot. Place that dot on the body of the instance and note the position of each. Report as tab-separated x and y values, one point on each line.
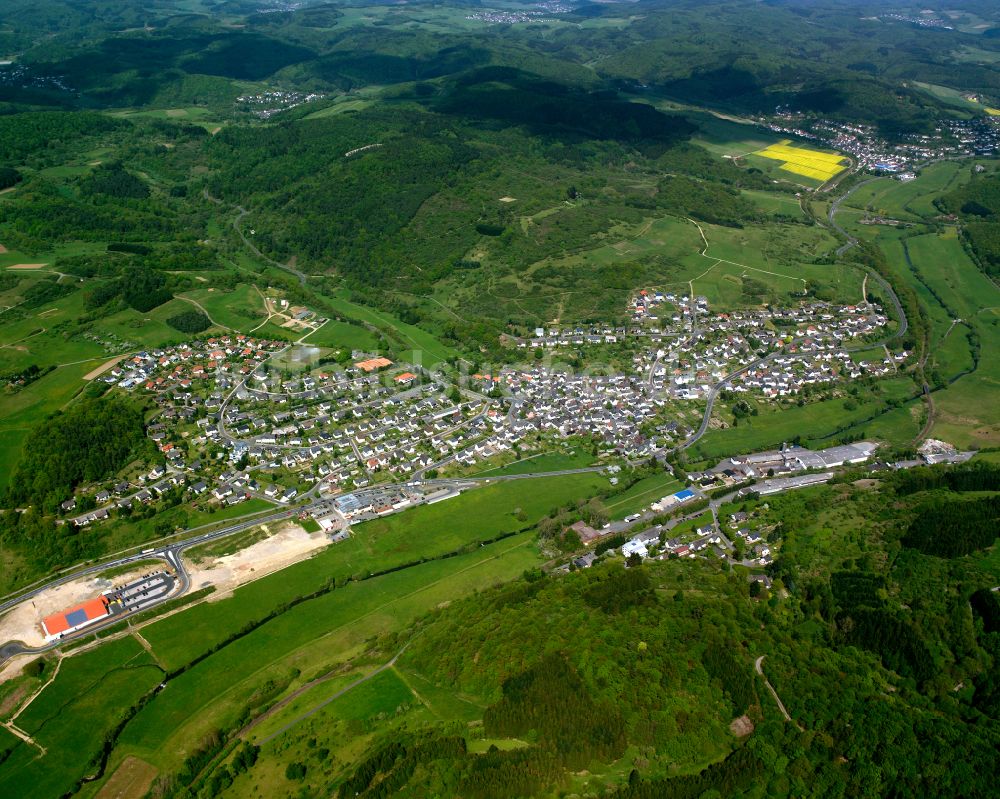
713	395
242	212
871	273
170	553
851	242
781	706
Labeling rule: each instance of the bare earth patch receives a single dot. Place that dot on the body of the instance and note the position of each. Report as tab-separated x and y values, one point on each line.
741	727
24	622
2	249
285	547
131	780
13	700
27	266
103	368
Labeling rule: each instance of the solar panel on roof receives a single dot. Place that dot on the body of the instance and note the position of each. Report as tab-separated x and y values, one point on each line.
76	617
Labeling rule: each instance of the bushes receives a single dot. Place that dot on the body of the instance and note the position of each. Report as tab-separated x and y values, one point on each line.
44	292
9	177
978	476
895	641
618	589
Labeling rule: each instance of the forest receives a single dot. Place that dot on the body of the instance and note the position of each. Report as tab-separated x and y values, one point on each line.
90	441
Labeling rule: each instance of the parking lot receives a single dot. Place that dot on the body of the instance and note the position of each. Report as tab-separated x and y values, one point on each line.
148	590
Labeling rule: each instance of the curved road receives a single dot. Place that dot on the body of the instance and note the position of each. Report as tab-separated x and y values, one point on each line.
242	212
169	553
781	706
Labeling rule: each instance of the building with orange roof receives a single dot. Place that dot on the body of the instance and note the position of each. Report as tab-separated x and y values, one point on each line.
76	618
406	377
373	364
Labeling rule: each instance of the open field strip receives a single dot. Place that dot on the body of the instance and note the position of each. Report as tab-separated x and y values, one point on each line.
704	254
642	493
421	533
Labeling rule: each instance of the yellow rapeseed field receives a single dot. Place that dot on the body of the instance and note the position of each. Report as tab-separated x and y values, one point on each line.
814	164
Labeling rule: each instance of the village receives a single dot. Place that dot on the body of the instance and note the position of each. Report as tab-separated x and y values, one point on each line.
240	418
953	138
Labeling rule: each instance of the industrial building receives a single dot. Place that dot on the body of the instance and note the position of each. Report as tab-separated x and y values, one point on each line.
76	618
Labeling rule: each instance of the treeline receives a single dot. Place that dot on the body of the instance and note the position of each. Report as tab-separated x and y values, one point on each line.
113	180
141	288
734	674
975	476
956	528
978	204
90	441
45	291
295	174
9	177
519	98
41	214
619	589
873	257
893	639
709	202
390	767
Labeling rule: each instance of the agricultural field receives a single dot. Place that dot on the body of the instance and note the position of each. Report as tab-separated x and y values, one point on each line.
912	200
728	138
958	299
577	458
290	637
802	161
88	697
953	98
424	532
343	336
311	637
968	410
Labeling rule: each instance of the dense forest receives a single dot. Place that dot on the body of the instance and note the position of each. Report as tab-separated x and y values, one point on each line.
90	441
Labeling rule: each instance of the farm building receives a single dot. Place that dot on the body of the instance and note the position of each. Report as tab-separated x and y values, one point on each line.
75	618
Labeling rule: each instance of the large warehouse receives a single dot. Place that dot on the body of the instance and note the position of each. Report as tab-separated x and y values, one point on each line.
75	618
